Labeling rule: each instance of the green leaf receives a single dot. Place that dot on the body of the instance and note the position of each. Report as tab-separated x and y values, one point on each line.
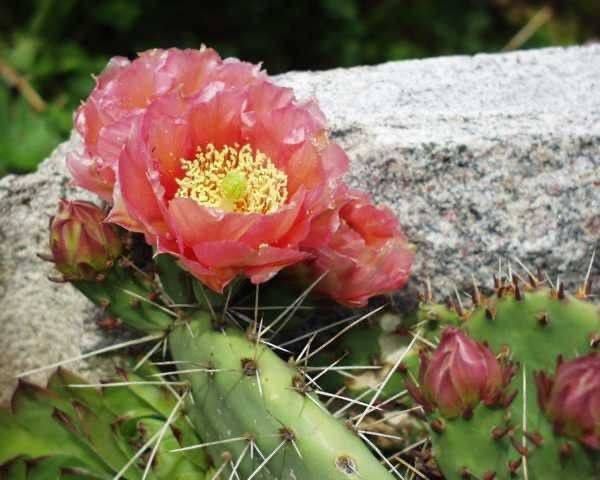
26	136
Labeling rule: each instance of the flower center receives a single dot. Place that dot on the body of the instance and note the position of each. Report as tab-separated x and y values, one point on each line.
233	179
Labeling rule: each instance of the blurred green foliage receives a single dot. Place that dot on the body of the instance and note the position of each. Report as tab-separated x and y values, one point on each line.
54	45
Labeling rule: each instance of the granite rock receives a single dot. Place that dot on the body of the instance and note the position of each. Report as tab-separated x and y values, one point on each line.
483	158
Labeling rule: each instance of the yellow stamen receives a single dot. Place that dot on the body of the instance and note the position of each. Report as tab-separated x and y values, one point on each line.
233	179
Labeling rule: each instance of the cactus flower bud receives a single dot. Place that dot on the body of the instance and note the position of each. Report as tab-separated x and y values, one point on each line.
82	245
572	398
459	375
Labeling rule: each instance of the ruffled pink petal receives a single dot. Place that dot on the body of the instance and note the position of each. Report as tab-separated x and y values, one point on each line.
190	70
91	174
112	137
218	120
169	139
88	123
334	160
118	214
113	68
258	264
361	260
272	228
271	260
235	74
194	223
135	86
278	133
370	221
213	279
321	230
224	253
265	96
136	189
304	169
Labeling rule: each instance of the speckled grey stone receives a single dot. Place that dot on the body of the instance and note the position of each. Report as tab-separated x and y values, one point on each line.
484	157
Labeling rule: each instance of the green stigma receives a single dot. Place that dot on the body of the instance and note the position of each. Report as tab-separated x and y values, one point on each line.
234	186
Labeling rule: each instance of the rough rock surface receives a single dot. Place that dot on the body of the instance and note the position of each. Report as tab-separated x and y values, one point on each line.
485	157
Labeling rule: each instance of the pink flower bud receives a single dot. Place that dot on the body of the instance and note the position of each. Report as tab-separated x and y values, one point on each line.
366	255
572	398
82	245
458	375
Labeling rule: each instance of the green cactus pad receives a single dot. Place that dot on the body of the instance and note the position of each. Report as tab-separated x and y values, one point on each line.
128	295
254	395
532	326
67	432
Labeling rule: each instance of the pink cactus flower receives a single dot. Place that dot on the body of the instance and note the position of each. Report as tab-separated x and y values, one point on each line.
82	245
366	255
124	91
572	398
458	375
211	161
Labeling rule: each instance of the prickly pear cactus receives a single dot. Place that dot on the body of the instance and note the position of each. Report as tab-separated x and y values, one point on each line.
486	388
258	416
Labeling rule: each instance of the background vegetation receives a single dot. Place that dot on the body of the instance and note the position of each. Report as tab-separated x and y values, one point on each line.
48	48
